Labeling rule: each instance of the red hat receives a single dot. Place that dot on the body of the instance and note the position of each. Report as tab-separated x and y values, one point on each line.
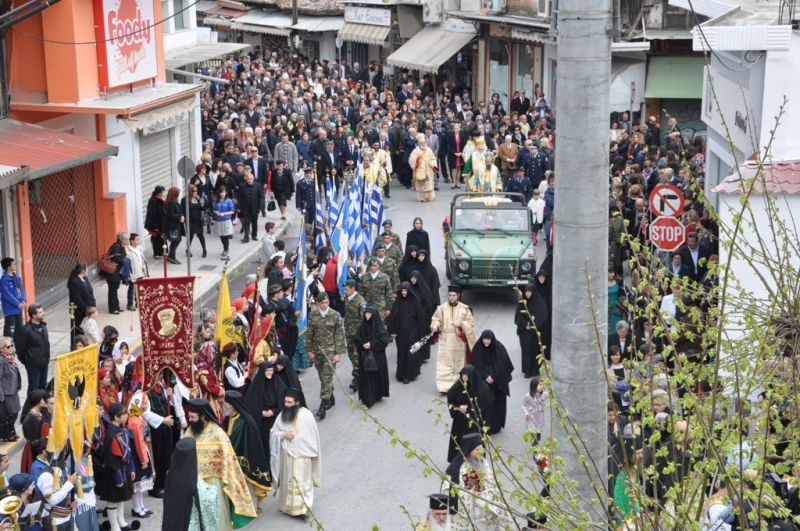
229	347
239	304
248	291
101	373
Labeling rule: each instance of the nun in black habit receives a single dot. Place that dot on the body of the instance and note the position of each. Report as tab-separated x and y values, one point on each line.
285	371
181	496
409	263
407	325
544	287
264	399
531	318
418	236
371	341
471	407
430	274
490	358
420	289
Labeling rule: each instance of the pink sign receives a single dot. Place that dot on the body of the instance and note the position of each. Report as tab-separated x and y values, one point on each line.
128	51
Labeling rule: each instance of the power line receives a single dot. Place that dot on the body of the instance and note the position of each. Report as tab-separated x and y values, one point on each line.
81	43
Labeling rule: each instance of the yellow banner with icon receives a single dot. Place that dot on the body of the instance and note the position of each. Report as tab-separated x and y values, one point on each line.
75	399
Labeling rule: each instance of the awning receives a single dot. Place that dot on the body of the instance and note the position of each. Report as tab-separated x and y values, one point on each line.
623	73
161	118
675	77
704	8
200	53
44	151
318	24
429	49
121	103
364	33
217	22
264	22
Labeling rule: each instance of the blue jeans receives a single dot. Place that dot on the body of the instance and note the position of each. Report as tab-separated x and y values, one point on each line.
37	378
131	293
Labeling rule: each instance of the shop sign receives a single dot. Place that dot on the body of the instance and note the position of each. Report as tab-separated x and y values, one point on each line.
368	15
126	41
167	122
500	32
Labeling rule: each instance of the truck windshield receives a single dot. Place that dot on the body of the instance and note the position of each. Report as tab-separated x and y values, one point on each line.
486	219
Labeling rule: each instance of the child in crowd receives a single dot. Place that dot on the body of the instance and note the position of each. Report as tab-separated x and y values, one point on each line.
268	241
533	406
89	325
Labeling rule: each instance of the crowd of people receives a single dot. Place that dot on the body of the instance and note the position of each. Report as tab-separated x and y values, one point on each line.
278	127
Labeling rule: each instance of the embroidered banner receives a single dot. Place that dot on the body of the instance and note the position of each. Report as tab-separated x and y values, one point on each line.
75	395
165	315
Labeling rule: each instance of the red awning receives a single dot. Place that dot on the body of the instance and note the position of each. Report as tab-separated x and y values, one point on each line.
44	151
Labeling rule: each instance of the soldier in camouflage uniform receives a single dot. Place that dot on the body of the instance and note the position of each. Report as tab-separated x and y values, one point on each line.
376	287
387	227
388	265
325	344
354	305
393	250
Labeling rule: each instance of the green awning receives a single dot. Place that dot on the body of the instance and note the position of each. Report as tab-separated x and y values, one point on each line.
675	77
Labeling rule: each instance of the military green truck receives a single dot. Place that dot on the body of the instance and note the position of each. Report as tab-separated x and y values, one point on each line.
488	240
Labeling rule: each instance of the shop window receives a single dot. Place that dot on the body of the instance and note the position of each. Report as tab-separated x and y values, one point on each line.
498	69
523	73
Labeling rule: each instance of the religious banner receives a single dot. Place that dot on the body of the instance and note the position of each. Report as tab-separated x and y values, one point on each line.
226	330
165	315
75	394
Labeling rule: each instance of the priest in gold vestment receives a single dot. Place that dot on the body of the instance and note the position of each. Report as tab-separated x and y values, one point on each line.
217	464
455	324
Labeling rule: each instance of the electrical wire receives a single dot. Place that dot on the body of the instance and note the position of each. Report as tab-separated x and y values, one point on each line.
82	43
708	46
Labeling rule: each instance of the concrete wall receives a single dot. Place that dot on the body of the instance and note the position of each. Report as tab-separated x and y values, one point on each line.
781	79
124	173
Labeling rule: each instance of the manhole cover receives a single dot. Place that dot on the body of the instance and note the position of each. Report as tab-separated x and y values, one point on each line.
206	268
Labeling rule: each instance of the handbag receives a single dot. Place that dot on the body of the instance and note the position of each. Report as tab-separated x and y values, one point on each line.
174	235
369	363
271	201
107	265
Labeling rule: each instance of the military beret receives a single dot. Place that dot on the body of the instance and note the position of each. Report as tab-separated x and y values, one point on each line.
386	222
350	282
323	295
379	245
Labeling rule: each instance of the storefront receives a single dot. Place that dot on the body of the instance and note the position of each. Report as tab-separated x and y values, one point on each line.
675	90
367	34
49	210
514	62
434	46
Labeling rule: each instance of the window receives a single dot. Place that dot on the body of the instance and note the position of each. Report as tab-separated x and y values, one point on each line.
177	5
498	69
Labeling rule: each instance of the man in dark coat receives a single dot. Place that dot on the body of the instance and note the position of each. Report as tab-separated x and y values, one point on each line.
251	202
282	187
328	164
494	366
33	348
407	324
695	256
409	144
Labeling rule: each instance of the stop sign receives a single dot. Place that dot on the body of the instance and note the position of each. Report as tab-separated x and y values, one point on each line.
667	233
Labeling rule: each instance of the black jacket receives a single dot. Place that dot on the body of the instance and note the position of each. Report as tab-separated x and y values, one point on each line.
172	218
33	345
283	188
154	217
251	200
81	294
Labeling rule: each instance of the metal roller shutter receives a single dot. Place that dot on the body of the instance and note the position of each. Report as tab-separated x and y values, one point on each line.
155	161
186	138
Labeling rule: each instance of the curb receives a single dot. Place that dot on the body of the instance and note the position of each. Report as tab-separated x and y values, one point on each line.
12	448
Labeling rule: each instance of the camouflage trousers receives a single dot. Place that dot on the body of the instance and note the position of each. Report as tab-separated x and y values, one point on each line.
326	369
352	353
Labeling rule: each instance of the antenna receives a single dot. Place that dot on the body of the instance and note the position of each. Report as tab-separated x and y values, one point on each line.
787	14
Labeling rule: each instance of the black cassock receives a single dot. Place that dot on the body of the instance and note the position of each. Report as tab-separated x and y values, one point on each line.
162	438
532	318
477	396
420	289
373	386
419	239
407	321
265	395
545	291
494	361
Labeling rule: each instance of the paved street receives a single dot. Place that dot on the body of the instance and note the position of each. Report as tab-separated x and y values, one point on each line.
366	481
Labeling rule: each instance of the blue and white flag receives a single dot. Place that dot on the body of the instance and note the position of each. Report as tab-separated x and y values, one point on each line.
301	289
339	242
332	199
375	211
320	237
355	232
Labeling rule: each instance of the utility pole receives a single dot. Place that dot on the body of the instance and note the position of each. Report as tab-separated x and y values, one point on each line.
581	249
295	14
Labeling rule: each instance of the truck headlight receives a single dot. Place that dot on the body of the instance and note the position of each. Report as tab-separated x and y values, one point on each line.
526	267
463	265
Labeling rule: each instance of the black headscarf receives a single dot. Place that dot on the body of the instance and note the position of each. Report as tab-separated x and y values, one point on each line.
373	330
180	487
419	238
422	292
430	274
493	361
36	396
409	263
478	393
263	391
531	310
467	444
203	407
236	399
288	374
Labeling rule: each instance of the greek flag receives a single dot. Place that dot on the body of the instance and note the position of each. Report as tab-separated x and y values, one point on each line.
355	232
332	198
339	242
301	291
375	210
320	239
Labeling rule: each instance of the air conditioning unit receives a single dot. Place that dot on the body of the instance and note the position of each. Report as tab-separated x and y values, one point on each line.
544	8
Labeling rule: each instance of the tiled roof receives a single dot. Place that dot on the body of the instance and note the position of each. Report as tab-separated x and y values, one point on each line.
777	177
